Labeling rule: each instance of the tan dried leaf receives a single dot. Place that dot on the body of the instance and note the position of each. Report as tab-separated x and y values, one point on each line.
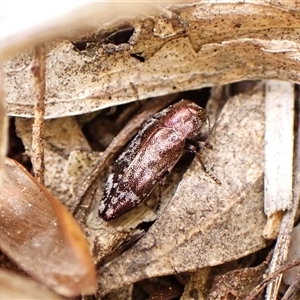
13	286
211	284
62	136
3	125
175	47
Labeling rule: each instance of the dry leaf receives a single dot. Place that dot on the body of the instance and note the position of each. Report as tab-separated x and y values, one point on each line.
214	284
206	224
178	47
13	286
236	284
39	234
3	125
33	23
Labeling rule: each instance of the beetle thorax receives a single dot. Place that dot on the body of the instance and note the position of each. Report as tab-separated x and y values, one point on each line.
186	121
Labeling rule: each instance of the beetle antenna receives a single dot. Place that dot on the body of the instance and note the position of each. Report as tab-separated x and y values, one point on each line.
209	128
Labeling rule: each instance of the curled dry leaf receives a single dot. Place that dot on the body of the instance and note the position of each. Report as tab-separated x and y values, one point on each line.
39	234
3	125
261	40
42	22
206	224
13	286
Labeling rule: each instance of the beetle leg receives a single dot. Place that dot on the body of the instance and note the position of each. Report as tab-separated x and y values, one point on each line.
198	145
193	149
205	145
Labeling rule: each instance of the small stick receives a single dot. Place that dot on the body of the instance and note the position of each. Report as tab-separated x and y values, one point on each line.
279	131
279	136
267	280
38	69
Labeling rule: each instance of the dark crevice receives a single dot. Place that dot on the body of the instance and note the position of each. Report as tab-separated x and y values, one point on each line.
16	149
139	57
121	36
80	46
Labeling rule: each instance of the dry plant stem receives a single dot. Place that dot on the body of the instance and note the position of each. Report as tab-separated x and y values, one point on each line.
84	198
292	289
279	137
3	124
278	172
266	281
38	69
290	215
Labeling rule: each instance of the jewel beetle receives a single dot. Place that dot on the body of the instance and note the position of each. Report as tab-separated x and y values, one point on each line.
150	156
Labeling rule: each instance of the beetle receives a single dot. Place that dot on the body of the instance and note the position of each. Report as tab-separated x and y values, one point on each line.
150	157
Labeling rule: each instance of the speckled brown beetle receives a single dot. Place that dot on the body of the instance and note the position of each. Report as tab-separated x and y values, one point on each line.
150	157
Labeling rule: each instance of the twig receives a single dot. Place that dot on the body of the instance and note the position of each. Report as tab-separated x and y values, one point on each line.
38	69
296	196
279	205
266	281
